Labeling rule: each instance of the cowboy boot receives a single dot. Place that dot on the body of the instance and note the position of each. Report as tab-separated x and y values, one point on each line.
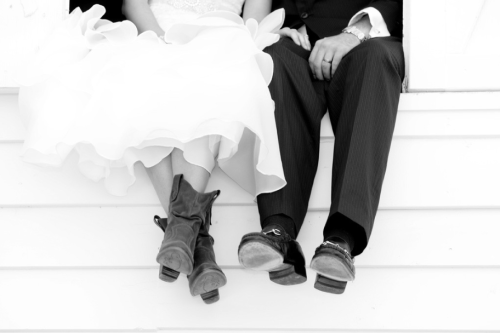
187	213
207	277
166	274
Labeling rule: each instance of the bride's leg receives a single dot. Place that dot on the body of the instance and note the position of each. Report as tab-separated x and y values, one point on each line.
191	222
195	175
161	176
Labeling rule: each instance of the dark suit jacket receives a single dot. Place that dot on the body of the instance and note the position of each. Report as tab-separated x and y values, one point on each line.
113	8
328	17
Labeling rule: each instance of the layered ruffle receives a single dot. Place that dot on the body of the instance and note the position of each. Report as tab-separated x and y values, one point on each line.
117	98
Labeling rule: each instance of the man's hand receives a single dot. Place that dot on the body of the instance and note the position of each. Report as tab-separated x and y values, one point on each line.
328	52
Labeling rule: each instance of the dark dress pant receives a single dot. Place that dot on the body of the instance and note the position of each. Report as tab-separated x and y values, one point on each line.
362	100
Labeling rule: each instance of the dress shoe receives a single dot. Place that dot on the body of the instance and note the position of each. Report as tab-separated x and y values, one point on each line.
274	251
335	267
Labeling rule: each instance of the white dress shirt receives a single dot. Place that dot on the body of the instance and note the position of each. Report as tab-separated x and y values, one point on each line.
379	28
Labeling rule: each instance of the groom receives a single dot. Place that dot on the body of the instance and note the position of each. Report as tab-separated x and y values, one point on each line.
354	71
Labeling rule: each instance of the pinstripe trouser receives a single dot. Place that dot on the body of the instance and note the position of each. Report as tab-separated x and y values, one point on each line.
362	100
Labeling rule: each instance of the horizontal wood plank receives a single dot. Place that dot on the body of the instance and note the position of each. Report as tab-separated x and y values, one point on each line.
127	237
422	173
24	25
382	299
239	329
462	56
11	126
420	115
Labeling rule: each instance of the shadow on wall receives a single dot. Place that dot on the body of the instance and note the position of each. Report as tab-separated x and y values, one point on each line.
113	8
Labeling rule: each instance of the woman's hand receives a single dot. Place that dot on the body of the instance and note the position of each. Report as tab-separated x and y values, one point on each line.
140	14
301	39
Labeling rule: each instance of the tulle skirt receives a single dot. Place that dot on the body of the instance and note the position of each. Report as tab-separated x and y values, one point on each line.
117	98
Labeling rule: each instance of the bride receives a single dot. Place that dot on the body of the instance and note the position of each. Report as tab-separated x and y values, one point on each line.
181	87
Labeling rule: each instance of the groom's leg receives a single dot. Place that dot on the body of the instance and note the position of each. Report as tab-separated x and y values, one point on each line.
300	105
362	100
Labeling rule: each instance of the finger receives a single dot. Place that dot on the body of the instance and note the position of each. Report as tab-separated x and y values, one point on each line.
313	56
295	37
284	32
301	39
326	69
318	64
335	62
326	63
308	43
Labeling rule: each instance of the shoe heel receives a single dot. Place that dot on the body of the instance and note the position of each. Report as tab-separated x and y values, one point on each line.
167	274
288	276
206	280
176	258
211	296
328	285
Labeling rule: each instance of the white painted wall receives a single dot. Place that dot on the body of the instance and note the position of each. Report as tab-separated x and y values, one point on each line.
24	25
75	259
452	45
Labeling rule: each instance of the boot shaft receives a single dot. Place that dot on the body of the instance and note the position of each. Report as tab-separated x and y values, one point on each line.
189	204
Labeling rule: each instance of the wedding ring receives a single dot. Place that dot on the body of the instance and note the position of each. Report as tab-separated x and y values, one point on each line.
328	61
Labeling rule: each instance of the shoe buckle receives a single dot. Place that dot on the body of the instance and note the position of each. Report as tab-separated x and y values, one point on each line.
340	248
276	232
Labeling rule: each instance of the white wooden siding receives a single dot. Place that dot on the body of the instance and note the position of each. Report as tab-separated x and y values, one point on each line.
24	25
451	45
75	259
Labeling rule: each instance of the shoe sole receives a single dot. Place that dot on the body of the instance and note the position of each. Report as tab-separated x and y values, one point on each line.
333	274
328	285
208	281
332	267
168	275
260	257
211	297
176	259
287	277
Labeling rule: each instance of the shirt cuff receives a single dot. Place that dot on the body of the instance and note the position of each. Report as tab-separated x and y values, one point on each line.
379	28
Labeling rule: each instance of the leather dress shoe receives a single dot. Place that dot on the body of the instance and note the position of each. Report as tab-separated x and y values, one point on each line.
335	267
274	251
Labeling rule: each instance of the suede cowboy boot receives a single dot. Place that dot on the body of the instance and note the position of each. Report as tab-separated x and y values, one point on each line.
207	277
187	213
166	274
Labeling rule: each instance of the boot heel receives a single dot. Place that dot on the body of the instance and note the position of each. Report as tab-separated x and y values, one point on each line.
329	285
167	274
211	296
206	280
176	259
287	277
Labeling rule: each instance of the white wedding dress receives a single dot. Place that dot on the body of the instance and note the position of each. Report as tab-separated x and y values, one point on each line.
117	98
